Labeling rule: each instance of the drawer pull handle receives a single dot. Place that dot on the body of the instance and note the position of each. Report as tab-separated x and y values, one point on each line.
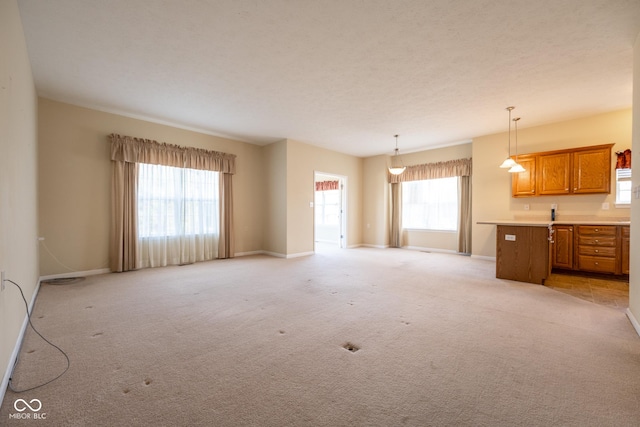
596	241
596	251
596	230
596	263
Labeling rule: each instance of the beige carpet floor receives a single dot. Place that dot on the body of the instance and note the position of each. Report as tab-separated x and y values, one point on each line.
359	337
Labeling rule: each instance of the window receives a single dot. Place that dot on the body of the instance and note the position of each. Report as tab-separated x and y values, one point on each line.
328	207
175	202
623	187
430	204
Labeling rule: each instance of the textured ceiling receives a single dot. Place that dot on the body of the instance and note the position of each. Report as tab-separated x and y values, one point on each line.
342	74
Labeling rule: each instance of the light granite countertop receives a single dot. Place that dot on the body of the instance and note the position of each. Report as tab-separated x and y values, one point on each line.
547	223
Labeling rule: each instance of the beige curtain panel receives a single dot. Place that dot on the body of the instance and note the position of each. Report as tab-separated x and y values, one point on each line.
126	153
451	168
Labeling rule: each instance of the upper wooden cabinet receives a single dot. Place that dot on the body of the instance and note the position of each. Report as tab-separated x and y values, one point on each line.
592	171
554	173
525	184
585	170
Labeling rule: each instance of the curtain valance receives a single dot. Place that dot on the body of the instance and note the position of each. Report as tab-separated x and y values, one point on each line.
448	169
327	185
136	150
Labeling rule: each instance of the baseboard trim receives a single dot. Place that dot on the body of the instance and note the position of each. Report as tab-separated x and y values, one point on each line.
241	254
299	254
367	245
16	349
275	254
75	274
633	321
423	249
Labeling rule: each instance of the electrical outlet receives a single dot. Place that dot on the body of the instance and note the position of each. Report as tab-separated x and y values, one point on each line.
526	207
2	279
605	206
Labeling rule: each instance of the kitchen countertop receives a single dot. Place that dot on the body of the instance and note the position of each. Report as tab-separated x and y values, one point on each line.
543	223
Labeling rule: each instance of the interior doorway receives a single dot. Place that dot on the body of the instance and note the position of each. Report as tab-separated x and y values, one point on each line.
330	213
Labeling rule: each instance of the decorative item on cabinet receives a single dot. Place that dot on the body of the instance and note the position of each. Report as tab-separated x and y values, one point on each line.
623	160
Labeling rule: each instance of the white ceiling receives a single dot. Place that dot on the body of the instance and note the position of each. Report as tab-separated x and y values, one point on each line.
341	74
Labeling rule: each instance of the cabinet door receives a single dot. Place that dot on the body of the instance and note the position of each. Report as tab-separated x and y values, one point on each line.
562	256
522	253
553	173
592	171
624	250
523	184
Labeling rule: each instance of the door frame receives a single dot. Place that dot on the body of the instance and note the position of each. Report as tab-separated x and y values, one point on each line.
342	240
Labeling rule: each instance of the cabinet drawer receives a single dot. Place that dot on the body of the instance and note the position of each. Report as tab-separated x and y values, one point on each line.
598	230
596	241
598	264
606	251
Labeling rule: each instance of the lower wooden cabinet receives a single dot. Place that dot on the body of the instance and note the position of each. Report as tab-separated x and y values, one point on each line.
522	253
624	250
562	247
591	248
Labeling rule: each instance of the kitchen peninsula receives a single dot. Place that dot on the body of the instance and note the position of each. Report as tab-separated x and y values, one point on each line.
527	250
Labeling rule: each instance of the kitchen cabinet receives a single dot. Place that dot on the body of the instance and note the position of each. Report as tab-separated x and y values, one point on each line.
625	238
528	250
524	183
597	248
591	248
562	247
584	170
592	171
522	253
554	173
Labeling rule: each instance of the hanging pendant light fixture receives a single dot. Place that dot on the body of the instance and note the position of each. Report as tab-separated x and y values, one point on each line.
396	163
509	162
517	167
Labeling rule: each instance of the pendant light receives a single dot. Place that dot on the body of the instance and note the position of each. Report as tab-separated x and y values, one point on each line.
509	162
517	167
396	163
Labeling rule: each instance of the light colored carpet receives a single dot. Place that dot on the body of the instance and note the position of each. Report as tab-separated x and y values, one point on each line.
259	341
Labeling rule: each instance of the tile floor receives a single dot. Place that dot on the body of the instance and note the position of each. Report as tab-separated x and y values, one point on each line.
612	292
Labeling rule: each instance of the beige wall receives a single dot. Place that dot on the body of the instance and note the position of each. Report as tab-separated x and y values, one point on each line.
275	228
376	200
74	180
634	276
491	186
18	181
303	160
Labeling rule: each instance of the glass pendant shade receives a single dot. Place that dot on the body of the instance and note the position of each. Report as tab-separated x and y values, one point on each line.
396	170
508	163
516	168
